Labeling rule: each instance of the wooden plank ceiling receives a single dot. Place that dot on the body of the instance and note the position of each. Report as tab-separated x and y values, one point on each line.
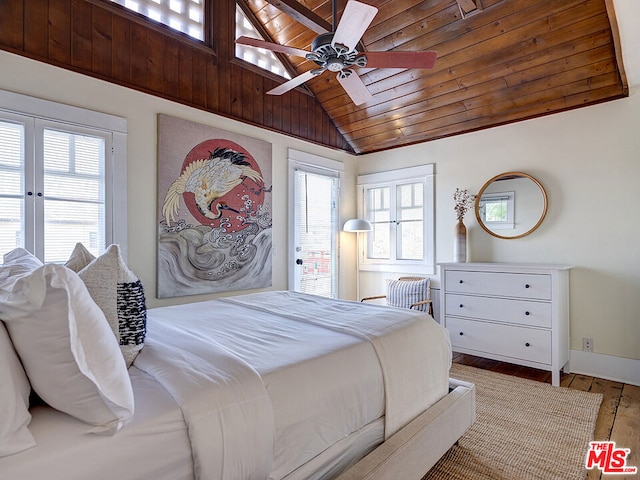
509	61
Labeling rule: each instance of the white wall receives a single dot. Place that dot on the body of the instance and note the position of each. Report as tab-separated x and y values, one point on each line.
588	161
21	75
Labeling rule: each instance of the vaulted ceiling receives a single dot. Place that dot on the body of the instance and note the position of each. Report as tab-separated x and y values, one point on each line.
504	61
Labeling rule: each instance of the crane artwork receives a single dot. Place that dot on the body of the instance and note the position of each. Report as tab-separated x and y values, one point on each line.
208	180
214	210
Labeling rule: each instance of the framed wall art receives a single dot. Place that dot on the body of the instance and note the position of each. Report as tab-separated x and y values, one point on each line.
214	210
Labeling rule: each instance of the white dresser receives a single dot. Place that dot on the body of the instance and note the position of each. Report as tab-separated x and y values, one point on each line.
516	313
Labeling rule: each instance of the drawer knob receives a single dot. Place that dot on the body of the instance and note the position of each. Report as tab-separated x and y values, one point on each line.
527	286
461	305
527	313
527	344
461	281
461	333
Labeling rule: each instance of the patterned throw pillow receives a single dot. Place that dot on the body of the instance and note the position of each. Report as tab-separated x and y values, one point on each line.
118	293
404	293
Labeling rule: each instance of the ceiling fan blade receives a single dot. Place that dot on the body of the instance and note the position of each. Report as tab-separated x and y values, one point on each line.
274	47
355	20
354	86
401	59
291	84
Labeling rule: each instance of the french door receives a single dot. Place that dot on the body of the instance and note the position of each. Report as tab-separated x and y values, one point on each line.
315	229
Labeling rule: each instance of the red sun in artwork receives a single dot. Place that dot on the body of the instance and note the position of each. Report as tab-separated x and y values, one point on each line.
226	183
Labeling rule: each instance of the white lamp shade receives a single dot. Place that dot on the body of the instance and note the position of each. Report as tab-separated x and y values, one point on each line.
357	225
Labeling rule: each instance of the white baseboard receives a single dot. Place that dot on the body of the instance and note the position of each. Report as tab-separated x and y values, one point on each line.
618	369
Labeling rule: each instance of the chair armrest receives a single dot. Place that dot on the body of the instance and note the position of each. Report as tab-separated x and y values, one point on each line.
373	298
423	302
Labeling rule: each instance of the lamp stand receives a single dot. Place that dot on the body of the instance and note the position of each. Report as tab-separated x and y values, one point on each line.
357	266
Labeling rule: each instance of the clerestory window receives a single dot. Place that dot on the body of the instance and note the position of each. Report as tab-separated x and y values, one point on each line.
260	57
185	16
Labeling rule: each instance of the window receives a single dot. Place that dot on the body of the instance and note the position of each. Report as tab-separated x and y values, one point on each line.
60	182
399	205
185	16
260	57
496	210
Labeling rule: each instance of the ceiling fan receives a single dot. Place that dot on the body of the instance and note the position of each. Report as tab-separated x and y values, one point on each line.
337	52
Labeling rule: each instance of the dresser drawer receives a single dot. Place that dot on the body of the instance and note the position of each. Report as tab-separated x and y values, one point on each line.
521	312
521	343
517	285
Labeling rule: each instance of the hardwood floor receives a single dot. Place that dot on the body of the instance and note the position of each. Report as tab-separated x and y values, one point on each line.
619	416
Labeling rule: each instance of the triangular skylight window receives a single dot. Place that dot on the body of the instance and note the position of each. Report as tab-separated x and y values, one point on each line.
258	56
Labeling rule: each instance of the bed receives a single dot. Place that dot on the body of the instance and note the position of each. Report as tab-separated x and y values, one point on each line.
276	385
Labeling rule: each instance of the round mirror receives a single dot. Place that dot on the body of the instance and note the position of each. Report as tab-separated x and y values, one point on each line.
511	205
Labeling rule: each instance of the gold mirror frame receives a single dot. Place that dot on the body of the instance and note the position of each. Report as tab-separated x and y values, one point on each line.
505	176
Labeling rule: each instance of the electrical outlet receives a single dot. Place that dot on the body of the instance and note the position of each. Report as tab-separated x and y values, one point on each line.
587	344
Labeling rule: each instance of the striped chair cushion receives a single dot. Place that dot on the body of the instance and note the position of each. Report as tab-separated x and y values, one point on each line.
404	293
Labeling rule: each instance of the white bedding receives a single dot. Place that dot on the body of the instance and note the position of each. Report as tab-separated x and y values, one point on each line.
321	381
281	387
65	451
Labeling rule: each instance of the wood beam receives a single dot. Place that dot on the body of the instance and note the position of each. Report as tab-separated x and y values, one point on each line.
615	33
302	15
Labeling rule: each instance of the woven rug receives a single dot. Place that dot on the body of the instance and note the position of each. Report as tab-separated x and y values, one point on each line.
524	430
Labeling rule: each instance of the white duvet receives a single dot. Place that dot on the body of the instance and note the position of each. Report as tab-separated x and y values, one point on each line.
267	382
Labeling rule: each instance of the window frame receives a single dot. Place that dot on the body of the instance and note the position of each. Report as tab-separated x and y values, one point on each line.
41	112
424	174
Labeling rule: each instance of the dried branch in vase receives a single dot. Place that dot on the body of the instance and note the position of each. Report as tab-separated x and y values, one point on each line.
463	201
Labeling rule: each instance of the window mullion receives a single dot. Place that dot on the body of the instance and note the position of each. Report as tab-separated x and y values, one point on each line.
393	224
38	190
109	212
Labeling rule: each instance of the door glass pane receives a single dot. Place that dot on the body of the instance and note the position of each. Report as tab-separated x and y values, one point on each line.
74	201
379	214
316	224
410	212
11	186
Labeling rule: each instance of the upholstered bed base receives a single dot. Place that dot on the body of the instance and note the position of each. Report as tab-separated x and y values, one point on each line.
413	450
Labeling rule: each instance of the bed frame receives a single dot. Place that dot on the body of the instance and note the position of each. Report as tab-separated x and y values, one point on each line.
414	449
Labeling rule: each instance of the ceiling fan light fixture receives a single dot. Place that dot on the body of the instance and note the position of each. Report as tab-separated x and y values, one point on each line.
335	65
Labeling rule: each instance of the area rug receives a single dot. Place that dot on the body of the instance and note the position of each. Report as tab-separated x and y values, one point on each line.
524	430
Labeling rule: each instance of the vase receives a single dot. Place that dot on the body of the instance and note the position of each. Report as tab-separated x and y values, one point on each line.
460	242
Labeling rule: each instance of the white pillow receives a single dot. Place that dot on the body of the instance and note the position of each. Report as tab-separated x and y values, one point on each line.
17	262
14	400
67	349
118	293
